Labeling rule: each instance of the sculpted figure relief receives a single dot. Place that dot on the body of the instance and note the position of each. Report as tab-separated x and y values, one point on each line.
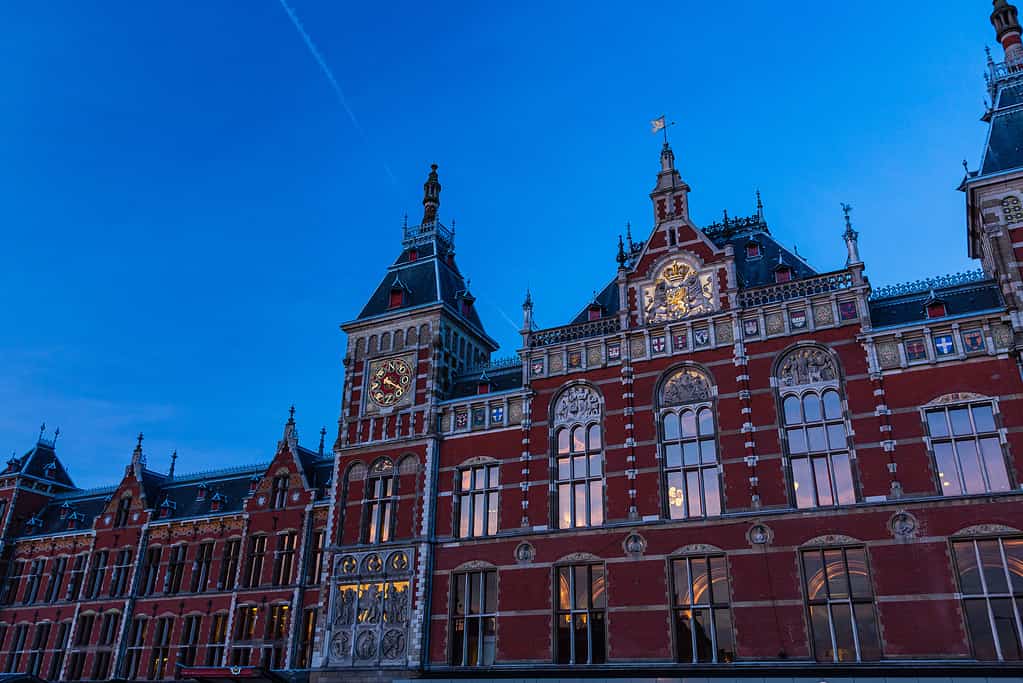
678	292
807	366
577	404
685	386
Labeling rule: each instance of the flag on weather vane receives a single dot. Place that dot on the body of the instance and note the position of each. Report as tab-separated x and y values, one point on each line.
657	124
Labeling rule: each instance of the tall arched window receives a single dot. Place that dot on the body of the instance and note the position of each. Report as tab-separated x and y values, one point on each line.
689	453
380	500
814	429
578	460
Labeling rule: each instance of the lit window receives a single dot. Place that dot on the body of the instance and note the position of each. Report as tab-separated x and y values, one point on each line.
690	462
990	575
818	449
581	615
476	501
967	449
703	618
841	605
381	498
160	648
579	470
474	619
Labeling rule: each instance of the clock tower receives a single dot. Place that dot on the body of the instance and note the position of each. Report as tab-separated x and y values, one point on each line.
417	332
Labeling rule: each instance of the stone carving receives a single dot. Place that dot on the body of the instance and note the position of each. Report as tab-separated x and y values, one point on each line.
634	545
1002	335
685	386
723	332
346	607
823	315
577	404
986	530
697	549
372	564
525	552
903	525
832	539
637	347
399	561
775	323
392	645
365	644
341	644
371	605
347	565
809	365
556	364
956	397
396	611
888	354
678	292
593	356
760	534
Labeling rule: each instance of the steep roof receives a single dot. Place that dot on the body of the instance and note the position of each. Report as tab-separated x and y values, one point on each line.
963	294
1004	148
501	376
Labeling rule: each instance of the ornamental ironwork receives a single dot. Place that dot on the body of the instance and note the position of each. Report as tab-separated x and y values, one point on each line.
558	335
795	289
927	284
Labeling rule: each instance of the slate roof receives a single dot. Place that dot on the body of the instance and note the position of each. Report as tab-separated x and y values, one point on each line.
959	300
89	504
1004	149
608	300
501	379
34	463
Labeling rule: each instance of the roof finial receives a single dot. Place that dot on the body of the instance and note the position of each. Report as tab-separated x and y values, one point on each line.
174	461
137	457
42	431
621	257
431	196
528	303
56	433
323	435
851	238
760	207
291	414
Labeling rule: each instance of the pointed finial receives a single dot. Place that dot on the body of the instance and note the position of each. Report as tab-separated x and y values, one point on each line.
760	207
323	435
966	167
42	431
431	196
139	445
621	257
174	461
528	303
137	456
725	218
404	221
846	209
291	414
56	433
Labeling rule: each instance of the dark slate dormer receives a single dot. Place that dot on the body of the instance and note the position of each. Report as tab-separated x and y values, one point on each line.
218	502
167	508
201	491
957	295
254	483
74	521
66	510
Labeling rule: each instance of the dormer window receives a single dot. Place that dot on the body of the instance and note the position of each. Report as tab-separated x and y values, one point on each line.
413	254
753	250
65	510
594	311
217	502
397	298
782	274
254	483
167	508
73	519
203	489
483	386
936	309
466	307
50	469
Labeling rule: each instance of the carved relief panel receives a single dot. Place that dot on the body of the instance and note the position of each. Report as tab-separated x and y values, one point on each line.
371	609
678	291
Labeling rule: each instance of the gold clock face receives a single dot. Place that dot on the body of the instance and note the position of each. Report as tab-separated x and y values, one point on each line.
390	381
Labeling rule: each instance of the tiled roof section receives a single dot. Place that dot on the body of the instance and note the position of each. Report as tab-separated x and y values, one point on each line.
501	379
608	300
41	462
187	501
961	299
87	504
1004	150
759	270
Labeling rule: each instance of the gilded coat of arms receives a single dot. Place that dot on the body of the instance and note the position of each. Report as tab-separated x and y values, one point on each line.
678	292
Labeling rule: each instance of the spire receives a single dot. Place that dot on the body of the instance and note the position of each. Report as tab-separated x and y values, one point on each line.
621	257
670	195
527	314
851	239
760	208
174	461
137	456
431	196
323	435
290	432
1007	30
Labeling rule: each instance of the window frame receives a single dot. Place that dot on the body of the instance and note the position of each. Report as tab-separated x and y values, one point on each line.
975	436
1013	595
573	610
380	502
489	493
712	606
573	482
255	559
135	646
469	580
700	468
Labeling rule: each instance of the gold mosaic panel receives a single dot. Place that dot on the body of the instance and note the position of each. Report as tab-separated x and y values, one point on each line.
822	314
888	354
723	332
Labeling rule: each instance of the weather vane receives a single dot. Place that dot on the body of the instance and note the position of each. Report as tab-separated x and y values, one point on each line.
659	124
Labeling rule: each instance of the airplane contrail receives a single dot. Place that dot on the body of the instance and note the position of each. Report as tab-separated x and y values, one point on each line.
333	81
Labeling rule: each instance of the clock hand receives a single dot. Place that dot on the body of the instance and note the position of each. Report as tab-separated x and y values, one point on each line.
391	382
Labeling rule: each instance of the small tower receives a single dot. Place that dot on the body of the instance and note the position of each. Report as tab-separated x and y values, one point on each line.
527	318
851	239
671	194
431	196
1007	30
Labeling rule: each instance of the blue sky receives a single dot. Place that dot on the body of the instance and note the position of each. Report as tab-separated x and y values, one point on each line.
189	213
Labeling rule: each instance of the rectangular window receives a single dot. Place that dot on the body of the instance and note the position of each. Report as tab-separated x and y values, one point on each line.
581	615
74	585
201	567
175	569
135	648
245	622
690	460
579	472
17	648
284	558
314	567
277	634
476	501
75	665
701	605
97	572
818	449
35	578
841	605
474	618
104	652
254	562
990	573
38	648
305	643
12	584
229	564
160	648
218	636
122	570
123	509
150	571
83	634
59	648
967	449
279	494
57	568
380	494
190	634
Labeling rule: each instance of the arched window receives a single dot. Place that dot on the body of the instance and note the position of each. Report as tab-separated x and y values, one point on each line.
279	492
689	453
814	429
578	460
380	501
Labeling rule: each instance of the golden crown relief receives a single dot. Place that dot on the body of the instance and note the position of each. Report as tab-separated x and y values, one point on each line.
679	291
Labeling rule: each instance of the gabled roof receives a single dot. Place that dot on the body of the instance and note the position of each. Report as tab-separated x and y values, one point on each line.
1004	148
36	461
